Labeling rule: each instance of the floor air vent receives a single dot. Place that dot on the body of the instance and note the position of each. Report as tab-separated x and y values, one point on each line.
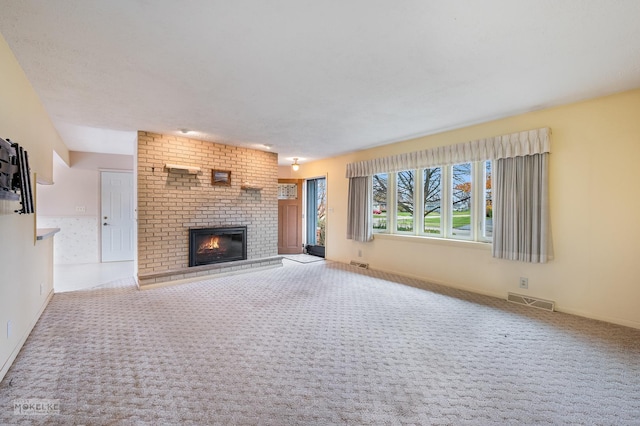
360	264
547	305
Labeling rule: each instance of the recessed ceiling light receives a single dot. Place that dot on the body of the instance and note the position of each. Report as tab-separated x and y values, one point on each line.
267	145
184	131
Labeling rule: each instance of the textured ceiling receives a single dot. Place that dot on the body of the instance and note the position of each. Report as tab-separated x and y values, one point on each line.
312	78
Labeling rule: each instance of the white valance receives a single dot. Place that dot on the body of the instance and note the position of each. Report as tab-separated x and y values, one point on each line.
506	146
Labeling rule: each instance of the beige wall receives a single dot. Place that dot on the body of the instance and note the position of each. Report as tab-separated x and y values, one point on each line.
285	172
25	266
61	205
79	184
594	173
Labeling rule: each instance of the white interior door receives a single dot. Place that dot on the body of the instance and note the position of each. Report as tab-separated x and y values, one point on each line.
117	220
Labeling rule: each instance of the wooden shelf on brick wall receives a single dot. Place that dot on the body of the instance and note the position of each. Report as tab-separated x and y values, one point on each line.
247	186
190	169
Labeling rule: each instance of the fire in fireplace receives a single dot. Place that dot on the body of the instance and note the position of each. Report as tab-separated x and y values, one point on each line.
215	245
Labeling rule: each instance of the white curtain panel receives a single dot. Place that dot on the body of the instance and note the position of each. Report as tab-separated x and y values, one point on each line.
506	146
521	225
360	205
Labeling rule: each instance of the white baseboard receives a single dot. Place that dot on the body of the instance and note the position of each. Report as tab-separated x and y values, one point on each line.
558	307
579	313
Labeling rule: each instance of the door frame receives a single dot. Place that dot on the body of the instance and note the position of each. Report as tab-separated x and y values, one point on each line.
300	204
304	209
133	207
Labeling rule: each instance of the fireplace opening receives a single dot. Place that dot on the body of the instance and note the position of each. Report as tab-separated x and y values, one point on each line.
216	245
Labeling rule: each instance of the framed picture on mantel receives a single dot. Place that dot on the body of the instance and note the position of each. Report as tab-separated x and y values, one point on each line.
221	177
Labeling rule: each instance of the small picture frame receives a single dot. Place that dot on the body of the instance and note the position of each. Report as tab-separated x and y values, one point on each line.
221	177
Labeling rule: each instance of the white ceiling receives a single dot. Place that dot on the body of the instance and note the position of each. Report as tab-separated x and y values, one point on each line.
312	78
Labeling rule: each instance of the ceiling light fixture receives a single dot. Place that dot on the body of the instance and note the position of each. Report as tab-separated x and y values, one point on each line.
295	166
267	145
184	131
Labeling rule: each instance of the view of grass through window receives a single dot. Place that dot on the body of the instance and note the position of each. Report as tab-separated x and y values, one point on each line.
422	193
380	184
404	200
488	203
461	199
432	181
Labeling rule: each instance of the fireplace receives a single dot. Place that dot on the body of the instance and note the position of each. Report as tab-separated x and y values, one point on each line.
216	245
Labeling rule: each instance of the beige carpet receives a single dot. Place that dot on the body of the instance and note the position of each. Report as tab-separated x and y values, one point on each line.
320	344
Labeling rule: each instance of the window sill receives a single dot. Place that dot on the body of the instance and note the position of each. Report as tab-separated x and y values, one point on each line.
432	240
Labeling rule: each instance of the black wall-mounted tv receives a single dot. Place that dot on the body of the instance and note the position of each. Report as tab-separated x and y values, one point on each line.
15	175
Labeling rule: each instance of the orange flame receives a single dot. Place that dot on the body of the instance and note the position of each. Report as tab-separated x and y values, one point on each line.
212	244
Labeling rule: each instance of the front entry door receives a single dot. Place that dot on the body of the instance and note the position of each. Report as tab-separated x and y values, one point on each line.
117	221
289	216
316	216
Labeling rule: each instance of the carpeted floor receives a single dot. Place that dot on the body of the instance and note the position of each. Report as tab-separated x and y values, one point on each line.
318	344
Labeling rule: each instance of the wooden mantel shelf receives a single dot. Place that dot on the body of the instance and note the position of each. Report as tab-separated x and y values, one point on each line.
190	169
247	186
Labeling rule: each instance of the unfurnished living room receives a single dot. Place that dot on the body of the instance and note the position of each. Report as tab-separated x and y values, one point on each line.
311	213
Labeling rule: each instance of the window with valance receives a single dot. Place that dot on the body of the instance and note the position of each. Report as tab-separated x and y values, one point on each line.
519	187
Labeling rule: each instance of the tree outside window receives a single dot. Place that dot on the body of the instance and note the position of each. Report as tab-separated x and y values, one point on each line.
461	199
432	181
380	200
321	202
418	206
488	203
405	200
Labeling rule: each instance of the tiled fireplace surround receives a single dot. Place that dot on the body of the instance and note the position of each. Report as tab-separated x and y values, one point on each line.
172	201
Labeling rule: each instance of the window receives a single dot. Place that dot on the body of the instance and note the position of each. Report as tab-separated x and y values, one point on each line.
432	183
461	201
380	184
461	204
447	202
405	184
487	222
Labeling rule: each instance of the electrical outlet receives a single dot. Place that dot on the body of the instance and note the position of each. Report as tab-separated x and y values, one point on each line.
41	288
9	329
524	282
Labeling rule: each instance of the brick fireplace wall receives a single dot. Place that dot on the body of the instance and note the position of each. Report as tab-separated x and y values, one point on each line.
170	202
